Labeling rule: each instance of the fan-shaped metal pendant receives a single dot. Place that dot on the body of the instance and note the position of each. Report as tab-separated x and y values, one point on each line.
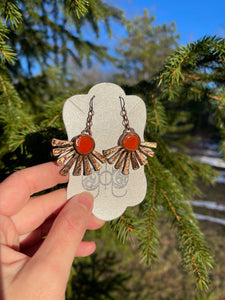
129	149
80	150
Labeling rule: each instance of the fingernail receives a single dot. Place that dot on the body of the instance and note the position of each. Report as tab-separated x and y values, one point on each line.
86	200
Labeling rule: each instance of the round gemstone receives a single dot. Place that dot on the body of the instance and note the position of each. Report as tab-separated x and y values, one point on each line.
84	144
131	141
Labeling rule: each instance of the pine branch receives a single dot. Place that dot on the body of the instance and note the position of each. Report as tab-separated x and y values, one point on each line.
5	90
10	10
148	232
51	35
172	196
151	212
211	48
14	119
124	226
79	7
156	115
11	14
190	240
6	52
155	112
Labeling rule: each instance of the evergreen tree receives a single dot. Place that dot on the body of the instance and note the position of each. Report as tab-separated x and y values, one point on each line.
195	74
145	48
50	41
52	33
192	72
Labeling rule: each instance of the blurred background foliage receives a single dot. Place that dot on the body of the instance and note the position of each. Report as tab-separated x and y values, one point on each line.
47	54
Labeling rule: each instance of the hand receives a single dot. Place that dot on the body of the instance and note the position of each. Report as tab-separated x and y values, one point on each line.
33	267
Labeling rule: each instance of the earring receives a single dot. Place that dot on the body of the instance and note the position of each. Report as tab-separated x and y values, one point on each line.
130	147
79	150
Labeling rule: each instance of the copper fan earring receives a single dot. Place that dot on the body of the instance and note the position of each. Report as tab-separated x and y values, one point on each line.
80	150
130	148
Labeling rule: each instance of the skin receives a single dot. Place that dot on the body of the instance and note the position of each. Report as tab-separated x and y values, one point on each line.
33	267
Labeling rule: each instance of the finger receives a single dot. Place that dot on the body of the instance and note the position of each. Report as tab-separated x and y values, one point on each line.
36	236
85	248
56	254
95	223
15	191
9	256
8	234
37	210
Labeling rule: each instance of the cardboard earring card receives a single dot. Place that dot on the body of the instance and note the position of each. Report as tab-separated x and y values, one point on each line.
112	190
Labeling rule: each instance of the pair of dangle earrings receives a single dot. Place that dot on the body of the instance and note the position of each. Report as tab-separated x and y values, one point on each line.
80	150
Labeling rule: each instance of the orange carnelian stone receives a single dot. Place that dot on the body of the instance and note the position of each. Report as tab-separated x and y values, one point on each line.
131	141
84	144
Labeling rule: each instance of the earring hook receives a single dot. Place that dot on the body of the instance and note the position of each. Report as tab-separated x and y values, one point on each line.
123	113
89	122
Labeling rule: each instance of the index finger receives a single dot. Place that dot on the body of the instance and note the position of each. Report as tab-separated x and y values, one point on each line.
16	190
57	252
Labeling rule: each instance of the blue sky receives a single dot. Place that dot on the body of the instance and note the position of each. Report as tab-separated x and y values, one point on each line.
194	18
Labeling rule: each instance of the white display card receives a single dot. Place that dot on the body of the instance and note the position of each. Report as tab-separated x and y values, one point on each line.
112	190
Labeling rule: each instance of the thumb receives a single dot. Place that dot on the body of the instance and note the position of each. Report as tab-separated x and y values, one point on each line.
57	252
